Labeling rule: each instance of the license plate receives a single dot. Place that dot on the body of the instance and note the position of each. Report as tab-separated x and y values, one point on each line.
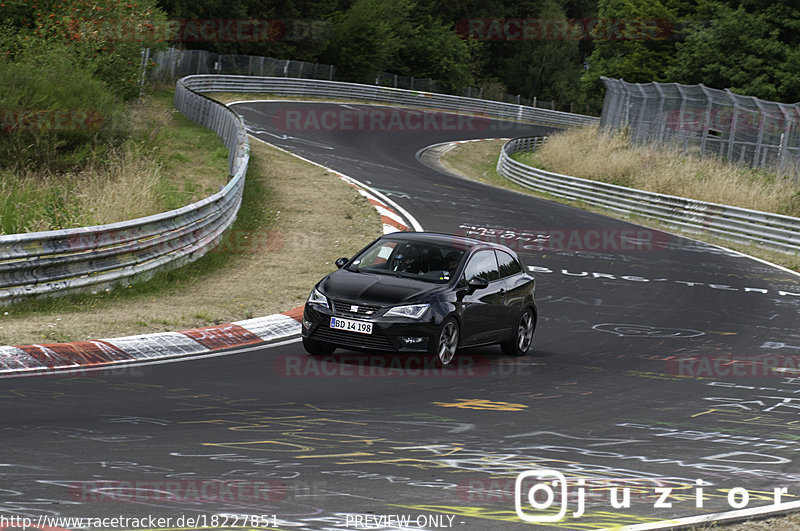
361	327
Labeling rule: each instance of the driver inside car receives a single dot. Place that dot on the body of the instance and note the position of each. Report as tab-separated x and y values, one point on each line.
411	262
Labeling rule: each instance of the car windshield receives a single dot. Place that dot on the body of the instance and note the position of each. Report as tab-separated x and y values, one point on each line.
428	261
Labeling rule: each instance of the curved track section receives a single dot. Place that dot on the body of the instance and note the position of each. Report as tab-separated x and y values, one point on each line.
659	363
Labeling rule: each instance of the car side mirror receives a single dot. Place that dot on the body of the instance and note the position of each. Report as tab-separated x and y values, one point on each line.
476	283
340	262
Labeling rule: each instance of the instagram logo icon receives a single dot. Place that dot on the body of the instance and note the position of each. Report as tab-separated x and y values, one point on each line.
540	495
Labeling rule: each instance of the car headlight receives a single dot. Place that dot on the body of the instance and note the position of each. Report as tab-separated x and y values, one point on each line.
413	311
317	297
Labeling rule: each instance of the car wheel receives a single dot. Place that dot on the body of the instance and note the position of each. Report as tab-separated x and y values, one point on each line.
317	348
521	341
447	342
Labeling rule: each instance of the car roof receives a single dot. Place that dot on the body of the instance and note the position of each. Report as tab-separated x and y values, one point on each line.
436	237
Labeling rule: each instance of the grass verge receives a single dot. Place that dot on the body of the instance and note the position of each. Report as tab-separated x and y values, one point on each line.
295	220
590	154
165	163
478	161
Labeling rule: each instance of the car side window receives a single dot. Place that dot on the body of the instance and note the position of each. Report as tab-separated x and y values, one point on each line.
508	266
483	264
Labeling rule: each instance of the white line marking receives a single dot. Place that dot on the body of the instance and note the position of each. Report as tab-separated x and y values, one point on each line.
740	514
403	212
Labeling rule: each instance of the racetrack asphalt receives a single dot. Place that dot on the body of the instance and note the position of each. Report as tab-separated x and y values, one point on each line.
658	362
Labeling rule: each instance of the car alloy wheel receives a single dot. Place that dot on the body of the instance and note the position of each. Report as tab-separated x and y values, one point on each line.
523	336
525	332
448	342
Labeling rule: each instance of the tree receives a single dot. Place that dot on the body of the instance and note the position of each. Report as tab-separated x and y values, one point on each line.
637	44
752	49
547	67
400	37
431	49
366	38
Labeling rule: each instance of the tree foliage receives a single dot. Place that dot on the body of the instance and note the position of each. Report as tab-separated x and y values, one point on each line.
368	37
750	46
753	48
546	67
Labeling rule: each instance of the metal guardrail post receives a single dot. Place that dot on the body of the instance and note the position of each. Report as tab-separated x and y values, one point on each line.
706	119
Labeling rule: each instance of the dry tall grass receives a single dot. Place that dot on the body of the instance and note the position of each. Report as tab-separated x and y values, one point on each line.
158	167
125	186
592	154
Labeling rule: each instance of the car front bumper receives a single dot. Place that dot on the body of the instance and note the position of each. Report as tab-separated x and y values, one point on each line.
388	334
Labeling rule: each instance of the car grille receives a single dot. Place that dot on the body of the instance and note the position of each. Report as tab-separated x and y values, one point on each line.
352	339
347	309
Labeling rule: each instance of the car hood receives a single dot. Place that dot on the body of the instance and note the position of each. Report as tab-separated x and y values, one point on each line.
369	288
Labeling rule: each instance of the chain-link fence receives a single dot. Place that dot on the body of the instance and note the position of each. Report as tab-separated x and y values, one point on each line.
174	64
713	122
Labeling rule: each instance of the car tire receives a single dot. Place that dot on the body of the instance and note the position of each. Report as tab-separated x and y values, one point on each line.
522	339
317	348
446	344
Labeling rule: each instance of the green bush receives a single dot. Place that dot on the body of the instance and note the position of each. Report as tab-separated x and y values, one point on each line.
107	36
53	113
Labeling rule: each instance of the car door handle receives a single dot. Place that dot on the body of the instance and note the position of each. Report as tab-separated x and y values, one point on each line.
502	290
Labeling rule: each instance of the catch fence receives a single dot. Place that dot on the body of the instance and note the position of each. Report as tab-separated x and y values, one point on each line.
695	118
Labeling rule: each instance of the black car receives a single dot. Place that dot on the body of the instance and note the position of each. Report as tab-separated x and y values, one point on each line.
423	292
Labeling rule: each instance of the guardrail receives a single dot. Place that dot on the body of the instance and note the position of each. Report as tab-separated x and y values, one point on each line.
388	95
774	231
93	258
